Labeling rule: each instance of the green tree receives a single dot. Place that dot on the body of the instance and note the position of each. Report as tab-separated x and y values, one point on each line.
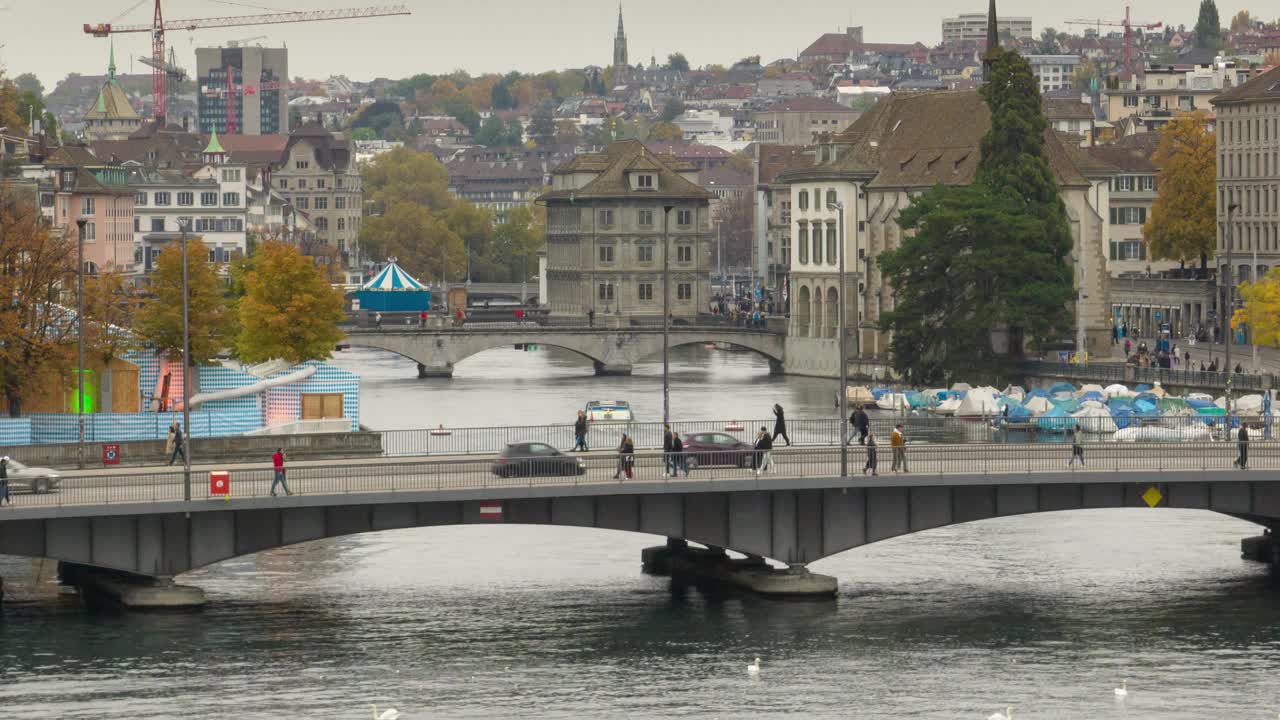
406	175
672	110
493	132
516	243
364	133
28	82
1240	22
1048	41
289	310
542	125
1085	76
160	319
500	97
677	61
1208	27
1183	221
666	132
985	259
420	240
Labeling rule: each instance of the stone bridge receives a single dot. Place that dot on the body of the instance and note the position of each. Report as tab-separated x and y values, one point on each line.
613	351
138	523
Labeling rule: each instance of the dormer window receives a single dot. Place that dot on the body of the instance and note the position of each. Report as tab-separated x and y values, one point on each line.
644	181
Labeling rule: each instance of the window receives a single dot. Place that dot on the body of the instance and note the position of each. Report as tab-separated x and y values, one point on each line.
1147	183
230	176
802	243
86	206
322	203
831	244
339	203
1128	216
284	183
140	199
1131	101
802	201
186	198
605	218
684	217
301	164
137	224
645	253
90	232
817	244
209	199
605	291
157	224
337	182
302	203
646	218
684	291
322	223
606	253
684	254
645	291
831	198
231	199
302	183
342	223
1128	250
1122	183
319	183
162	198
645	182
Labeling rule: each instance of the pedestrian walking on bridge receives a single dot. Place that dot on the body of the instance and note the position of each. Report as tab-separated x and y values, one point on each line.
277	463
780	424
1242	446
678	460
871	454
1077	447
626	457
580	433
761	459
176	444
862	423
4	481
898	442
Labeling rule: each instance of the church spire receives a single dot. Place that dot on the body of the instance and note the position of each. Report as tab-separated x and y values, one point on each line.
620	43
111	66
620	32
993	40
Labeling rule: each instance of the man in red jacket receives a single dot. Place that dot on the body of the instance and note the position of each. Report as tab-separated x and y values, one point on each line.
277	461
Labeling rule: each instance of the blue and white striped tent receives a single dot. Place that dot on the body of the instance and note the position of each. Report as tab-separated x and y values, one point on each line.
394	290
393	277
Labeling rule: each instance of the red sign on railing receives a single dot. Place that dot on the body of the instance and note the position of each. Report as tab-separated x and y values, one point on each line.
111	454
220	483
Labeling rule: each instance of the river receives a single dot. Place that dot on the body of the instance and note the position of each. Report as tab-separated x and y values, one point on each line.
1047	613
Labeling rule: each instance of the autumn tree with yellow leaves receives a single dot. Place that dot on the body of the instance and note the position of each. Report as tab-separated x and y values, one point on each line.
1182	225
1261	311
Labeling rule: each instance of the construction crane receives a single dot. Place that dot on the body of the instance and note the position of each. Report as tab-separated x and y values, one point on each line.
1128	26
231	91
244	41
158	27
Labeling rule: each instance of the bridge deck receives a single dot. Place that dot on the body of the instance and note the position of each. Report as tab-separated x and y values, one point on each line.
413	479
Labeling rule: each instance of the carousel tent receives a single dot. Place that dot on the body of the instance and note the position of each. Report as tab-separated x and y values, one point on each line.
394	290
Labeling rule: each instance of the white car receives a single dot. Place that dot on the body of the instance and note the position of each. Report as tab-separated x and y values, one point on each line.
32	479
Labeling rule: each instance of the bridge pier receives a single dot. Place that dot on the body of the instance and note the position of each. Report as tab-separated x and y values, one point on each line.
435	372
135	592
616	368
1262	548
751	573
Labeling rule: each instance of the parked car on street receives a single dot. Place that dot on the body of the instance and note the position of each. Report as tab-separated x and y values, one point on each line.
32	479
714	448
528	459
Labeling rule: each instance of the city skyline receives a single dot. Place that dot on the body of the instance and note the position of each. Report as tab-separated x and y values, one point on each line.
577	34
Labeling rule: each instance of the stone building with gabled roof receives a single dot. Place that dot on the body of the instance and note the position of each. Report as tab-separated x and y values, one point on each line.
905	145
111	117
607	216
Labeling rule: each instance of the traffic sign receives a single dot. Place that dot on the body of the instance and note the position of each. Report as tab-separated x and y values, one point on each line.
111	454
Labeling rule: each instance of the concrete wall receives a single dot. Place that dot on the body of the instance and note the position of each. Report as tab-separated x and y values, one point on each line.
240	448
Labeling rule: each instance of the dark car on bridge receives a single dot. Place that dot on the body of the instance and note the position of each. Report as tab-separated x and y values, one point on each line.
532	458
716	448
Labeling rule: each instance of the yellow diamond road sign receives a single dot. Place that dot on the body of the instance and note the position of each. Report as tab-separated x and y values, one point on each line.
1152	496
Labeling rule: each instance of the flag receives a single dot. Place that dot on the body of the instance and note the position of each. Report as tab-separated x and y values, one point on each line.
220	483
491	510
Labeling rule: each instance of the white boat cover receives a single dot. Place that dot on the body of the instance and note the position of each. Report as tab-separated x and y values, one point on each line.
1155	433
979	402
948	406
1091	388
1249	405
1038	405
859	394
1094	418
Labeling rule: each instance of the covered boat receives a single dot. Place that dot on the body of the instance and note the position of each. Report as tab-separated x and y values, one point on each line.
1094	418
948	406
1062	387
1156	433
1015	392
1055	421
1117	390
1248	405
961	387
1037	404
893	401
1091	388
859	395
980	402
609	411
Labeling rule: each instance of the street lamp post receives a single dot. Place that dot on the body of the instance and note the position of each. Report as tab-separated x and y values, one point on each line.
1229	308
666	315
186	369
841	332
80	340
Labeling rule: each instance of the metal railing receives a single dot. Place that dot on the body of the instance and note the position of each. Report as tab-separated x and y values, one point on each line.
1107	373
935	462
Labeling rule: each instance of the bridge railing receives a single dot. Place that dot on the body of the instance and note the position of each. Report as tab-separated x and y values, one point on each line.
1107	373
608	436
1002	463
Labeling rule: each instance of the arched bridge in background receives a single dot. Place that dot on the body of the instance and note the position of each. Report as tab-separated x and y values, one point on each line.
136	522
612	351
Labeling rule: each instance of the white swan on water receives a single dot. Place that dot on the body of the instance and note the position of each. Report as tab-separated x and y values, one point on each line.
388	714
1006	715
1123	690
754	668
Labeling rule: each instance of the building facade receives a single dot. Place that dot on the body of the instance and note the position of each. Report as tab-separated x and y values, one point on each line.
248	82
102	198
908	143
1054	72
111	117
319	178
972	27
1249	176
607	216
799	121
211	205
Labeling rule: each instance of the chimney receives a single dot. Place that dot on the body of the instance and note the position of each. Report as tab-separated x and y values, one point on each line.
186	121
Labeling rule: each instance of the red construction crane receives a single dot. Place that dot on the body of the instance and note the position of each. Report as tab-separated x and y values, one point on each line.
1128	26
158	27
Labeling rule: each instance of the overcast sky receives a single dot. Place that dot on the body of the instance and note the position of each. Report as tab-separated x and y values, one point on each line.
46	36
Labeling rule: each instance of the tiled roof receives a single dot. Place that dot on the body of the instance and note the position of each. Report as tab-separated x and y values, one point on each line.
724	176
111	104
924	139
1130	154
76	155
777	159
255	149
830	44
687	150
1263	87
611	180
1067	109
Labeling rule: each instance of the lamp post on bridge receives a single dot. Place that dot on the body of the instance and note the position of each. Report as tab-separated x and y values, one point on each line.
1228	310
80	340
666	315
841	331
186	368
